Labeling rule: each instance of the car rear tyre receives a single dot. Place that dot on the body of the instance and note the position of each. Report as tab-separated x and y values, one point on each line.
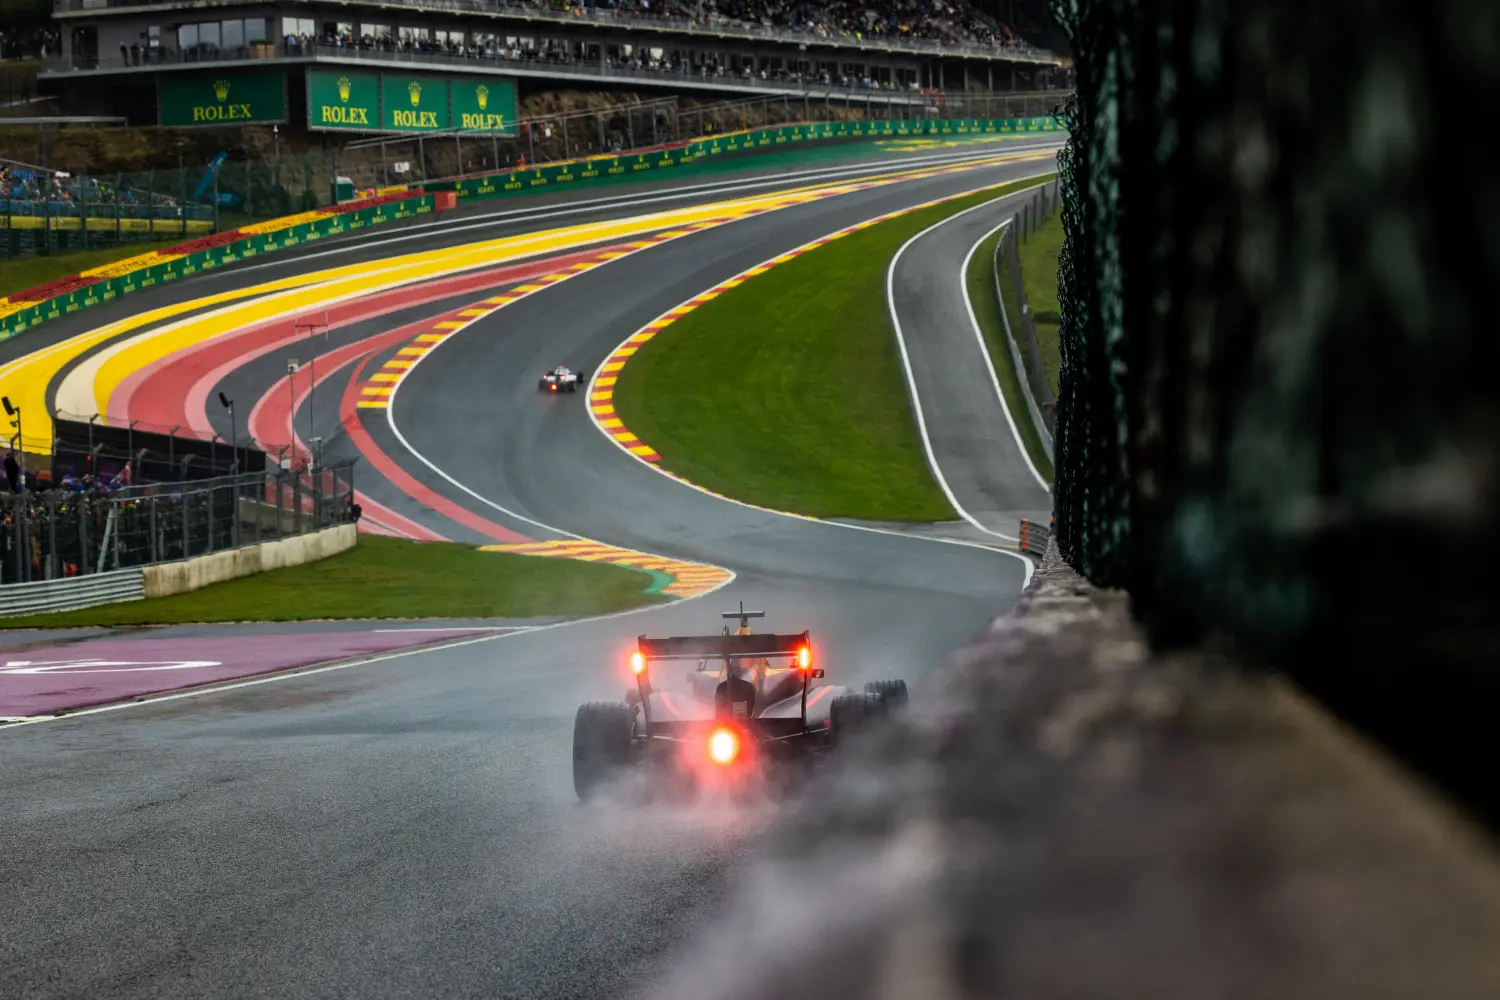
601	745
893	693
852	714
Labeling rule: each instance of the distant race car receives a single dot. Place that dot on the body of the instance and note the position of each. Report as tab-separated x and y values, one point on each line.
561	379
755	712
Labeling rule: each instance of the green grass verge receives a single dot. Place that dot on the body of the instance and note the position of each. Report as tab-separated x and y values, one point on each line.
980	281
1038	256
787	391
389	578
20	273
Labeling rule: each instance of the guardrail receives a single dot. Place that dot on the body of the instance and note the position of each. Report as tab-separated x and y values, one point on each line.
1015	314
1034	537
44	596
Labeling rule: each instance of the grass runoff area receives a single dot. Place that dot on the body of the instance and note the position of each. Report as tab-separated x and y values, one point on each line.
388	578
787	391
1039	276
20	273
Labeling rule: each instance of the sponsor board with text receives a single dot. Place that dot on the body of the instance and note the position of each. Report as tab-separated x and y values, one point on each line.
187	100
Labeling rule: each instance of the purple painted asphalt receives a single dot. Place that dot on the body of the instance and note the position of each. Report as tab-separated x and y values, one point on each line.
46	679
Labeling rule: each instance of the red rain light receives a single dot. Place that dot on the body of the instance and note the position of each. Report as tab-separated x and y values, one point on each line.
804	657
723	746
637	662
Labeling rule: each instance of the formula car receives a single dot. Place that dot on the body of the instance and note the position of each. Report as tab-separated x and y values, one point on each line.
561	379
755	705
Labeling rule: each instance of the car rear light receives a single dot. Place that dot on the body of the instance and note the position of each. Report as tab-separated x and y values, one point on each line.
804	657
637	662
553	386
723	746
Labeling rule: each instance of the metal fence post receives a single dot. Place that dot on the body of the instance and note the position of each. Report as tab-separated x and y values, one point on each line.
53	569
83	537
187	548
209	521
296	504
155	541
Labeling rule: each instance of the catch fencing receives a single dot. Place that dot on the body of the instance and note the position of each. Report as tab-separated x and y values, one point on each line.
60	535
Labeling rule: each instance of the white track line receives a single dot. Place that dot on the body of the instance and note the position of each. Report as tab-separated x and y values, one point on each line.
390	412
911	382
728	186
1025	560
294	672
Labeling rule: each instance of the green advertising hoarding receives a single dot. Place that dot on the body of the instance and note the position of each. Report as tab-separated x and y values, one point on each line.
196	99
343	99
487	107
414	103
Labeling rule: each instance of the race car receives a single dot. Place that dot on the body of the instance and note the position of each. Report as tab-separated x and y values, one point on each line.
755	707
561	379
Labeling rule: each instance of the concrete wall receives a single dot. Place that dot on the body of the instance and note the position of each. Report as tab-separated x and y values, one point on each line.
191	574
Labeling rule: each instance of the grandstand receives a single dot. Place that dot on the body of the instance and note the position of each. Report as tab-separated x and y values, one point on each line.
231	63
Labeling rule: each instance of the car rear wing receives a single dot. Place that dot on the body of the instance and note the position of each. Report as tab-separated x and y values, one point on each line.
699	647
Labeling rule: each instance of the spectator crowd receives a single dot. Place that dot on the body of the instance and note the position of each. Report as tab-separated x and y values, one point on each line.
25	190
945	22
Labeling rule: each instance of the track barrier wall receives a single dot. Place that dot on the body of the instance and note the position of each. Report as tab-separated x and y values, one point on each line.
602	169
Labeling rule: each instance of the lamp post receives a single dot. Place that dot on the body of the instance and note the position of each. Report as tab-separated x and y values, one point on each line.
313	330
15	411
291	413
234	433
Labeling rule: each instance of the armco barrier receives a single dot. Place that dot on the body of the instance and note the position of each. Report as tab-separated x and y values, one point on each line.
73	593
209	253
613	168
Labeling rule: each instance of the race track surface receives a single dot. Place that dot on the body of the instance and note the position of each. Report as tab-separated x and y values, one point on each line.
970	436
407	826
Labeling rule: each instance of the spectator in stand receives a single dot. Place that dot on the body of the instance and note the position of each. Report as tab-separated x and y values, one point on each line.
12	470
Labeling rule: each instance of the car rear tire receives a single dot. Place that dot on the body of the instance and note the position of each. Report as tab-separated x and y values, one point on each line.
601	745
852	714
893	693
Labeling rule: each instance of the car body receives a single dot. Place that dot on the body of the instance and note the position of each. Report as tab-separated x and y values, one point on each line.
756	709
561	379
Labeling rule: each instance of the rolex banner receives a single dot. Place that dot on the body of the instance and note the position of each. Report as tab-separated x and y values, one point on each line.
414	103
188	99
486	106
343	99
409	102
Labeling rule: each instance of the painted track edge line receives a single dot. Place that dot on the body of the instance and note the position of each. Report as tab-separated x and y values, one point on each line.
628	200
390	417
911	382
344	664
1025	560
390	409
989	363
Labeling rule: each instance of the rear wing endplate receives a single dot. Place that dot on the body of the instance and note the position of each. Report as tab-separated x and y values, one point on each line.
698	647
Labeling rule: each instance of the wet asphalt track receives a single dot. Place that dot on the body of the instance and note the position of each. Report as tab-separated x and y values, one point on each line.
972	439
408	827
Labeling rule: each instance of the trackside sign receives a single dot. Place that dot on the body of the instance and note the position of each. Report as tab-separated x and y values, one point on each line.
409	102
343	99
487	107
206	99
414	103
